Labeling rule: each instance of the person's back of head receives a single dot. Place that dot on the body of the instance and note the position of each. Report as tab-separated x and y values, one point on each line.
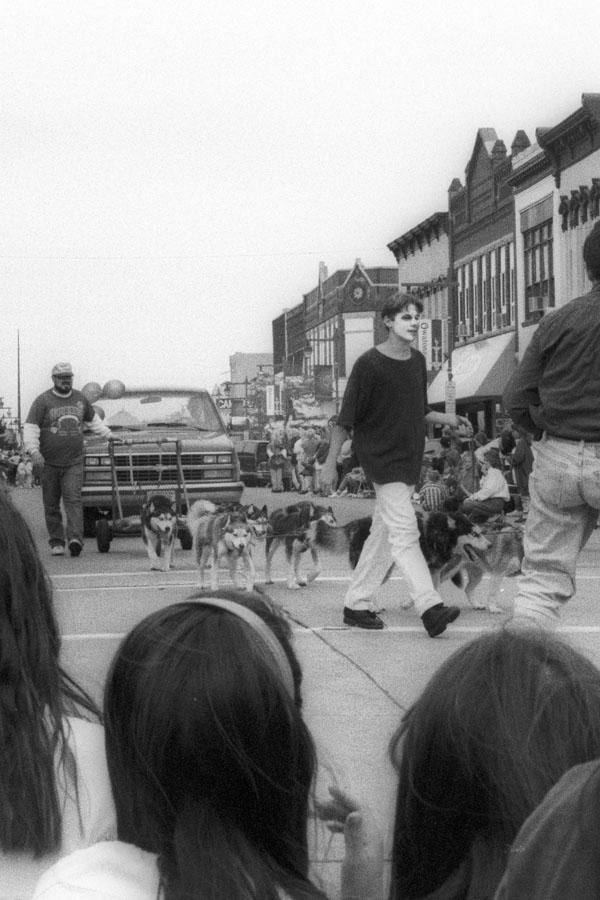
496	726
34	695
210	760
492	458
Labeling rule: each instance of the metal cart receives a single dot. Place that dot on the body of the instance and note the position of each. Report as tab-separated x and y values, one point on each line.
124	476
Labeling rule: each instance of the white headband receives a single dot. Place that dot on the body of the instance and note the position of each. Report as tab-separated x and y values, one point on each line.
260	627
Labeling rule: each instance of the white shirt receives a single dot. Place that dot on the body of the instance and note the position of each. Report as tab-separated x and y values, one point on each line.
492	484
111	870
19	872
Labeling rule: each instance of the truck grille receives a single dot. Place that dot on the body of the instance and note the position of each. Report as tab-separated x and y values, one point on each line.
150	468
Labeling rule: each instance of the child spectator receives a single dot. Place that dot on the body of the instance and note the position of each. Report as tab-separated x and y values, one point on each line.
212	766
351	482
433	493
55	794
497	725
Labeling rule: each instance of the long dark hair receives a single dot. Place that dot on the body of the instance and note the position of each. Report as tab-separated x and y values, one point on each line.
35	694
210	761
495	728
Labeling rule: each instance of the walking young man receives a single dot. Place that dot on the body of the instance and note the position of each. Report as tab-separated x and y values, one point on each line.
385	404
555	395
53	436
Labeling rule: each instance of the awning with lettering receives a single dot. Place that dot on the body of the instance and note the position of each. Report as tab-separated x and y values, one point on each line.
480	370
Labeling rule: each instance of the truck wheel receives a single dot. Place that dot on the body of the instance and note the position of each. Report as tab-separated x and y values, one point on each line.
103	535
185	539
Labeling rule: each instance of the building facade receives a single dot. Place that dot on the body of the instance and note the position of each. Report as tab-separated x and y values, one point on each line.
423	258
483	308
316	343
556	186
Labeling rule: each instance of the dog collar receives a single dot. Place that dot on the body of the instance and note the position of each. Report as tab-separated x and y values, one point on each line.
260	627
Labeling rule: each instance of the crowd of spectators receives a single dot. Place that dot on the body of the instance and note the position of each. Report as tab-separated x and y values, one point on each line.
200	781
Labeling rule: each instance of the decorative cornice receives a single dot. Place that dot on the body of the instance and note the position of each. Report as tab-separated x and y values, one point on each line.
573	138
423	233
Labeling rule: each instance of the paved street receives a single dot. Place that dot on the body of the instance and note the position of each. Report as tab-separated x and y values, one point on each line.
357	683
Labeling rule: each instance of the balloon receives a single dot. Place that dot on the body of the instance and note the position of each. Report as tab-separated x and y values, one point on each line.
92	391
113	389
100	411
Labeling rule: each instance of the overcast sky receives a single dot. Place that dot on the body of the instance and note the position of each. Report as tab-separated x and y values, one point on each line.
172	172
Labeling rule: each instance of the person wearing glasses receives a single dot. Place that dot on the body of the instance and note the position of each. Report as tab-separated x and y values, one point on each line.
53	436
385	407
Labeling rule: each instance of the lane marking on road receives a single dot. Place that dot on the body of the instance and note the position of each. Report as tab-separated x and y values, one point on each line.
163	585
281	580
318	629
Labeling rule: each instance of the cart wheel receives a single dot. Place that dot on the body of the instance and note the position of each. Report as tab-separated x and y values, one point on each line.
185	539
103	535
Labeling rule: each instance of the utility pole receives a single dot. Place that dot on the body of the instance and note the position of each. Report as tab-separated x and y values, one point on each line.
450	387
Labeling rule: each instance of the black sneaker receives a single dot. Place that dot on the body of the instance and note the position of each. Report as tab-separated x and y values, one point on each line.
75	547
437	617
362	618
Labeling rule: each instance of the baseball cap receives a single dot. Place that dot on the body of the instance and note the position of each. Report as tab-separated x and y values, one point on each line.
62	368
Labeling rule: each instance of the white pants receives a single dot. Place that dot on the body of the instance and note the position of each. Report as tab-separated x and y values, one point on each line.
394	538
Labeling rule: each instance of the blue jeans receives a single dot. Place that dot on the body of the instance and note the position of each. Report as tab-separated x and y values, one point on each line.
564	490
63	482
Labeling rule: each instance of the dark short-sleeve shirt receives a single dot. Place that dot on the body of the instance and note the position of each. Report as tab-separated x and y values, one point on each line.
385	403
60	420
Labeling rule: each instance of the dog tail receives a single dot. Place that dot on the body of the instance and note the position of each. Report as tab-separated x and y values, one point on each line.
201	508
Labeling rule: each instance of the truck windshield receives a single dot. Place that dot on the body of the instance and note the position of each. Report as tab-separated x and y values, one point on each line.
154	409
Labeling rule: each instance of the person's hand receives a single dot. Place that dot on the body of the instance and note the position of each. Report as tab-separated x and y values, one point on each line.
328	478
37	459
466	424
362	868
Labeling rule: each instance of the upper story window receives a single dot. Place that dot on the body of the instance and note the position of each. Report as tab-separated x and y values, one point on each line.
536	228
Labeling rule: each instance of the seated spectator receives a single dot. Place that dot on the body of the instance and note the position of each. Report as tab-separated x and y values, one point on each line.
433	493
351	483
449	454
493	491
212	766
54	789
481	441
496	726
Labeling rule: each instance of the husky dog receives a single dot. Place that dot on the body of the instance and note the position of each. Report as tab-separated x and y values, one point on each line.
221	535
299	528
446	539
503	557
159	530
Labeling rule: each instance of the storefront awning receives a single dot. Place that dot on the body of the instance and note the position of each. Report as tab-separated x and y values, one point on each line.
480	370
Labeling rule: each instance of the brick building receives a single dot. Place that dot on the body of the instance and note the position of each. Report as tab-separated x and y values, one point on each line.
483	314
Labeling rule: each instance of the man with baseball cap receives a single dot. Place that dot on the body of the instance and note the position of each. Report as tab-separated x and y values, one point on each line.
53	436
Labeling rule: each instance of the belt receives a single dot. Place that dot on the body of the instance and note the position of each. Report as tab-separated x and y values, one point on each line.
566	440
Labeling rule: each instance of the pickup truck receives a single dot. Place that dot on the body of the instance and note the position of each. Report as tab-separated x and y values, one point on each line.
151	427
